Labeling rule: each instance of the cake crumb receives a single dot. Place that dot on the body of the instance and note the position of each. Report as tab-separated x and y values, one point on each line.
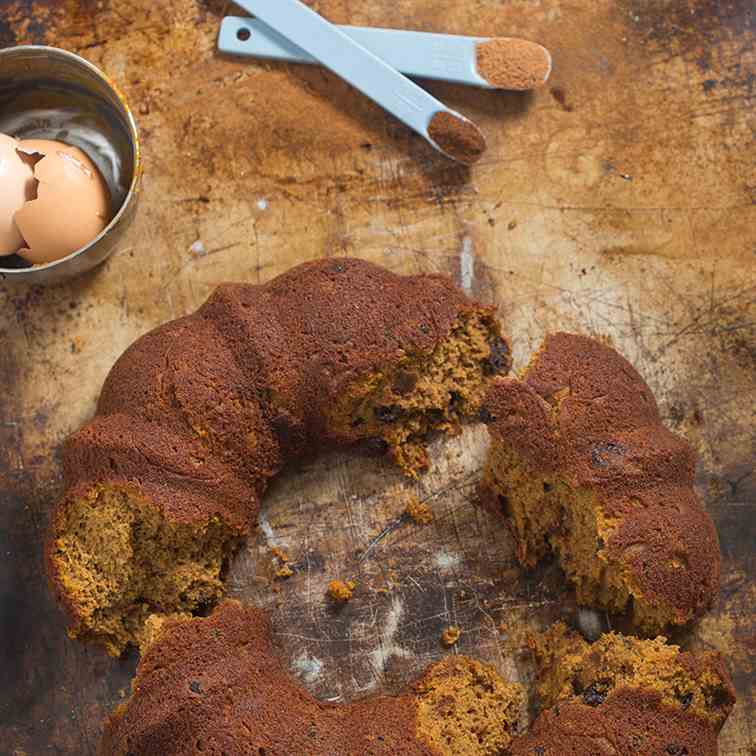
418	511
340	590
284	571
279	554
451	635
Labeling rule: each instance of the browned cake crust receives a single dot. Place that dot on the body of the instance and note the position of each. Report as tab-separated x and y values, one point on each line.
197	415
184	376
320	327
215	685
627	723
148	464
615	495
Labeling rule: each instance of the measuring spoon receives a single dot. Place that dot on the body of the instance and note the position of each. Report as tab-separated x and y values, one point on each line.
487	62
448	131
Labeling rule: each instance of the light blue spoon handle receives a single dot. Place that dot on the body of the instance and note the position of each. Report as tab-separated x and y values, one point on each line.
431	56
352	62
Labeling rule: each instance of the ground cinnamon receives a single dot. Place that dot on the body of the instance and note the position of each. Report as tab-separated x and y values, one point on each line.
509	63
457	137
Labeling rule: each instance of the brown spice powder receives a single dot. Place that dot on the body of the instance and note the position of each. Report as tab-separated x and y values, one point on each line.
457	137
509	63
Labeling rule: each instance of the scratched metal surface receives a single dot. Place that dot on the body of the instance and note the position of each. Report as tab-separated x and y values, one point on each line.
619	201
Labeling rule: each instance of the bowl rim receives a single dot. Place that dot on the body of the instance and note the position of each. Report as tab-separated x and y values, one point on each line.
8	273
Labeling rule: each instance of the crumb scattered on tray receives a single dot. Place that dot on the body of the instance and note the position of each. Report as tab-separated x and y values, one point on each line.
451	635
418	511
281	558
340	590
515	633
279	554
284	571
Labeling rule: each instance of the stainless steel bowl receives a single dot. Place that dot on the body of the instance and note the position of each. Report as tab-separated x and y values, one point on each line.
47	93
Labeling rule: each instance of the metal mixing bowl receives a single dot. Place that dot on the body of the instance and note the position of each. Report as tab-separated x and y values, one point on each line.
47	93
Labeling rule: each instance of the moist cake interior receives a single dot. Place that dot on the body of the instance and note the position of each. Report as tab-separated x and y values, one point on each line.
547	513
121	561
425	392
570	668
464	708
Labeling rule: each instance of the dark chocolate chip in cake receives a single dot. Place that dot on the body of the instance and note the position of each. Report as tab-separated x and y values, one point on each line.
486	416
675	749
435	415
375	446
602	454
498	360
388	414
592	696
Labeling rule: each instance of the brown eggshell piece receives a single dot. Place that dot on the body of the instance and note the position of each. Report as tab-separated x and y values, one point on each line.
17	185
72	205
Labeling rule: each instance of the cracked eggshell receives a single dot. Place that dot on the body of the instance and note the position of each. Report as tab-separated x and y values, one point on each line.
72	205
17	185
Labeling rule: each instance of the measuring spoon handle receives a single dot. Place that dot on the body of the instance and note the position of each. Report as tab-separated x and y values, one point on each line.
362	69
